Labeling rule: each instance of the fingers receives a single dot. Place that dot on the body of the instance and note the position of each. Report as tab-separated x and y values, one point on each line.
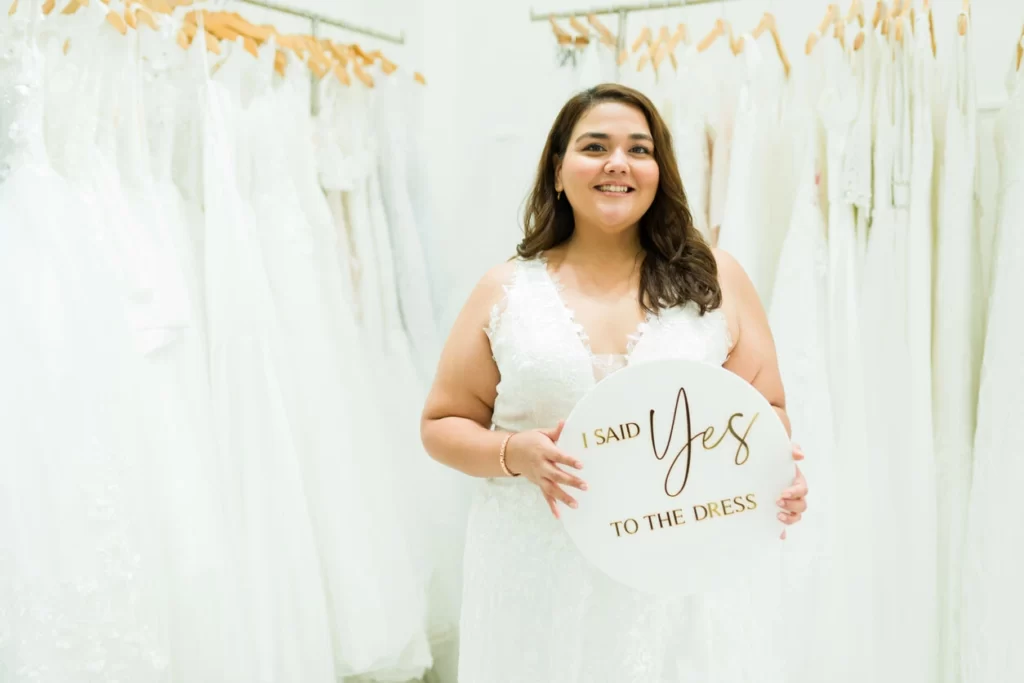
799	487
792	505
789	518
559	476
556	433
560	458
798	453
555	491
553	505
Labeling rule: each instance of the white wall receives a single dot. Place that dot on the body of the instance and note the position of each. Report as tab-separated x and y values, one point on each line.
495	92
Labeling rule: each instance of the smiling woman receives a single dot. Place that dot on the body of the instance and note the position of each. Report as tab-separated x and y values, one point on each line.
610	267
611	154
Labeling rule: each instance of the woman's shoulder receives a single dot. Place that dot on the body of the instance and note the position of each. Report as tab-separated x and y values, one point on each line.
736	288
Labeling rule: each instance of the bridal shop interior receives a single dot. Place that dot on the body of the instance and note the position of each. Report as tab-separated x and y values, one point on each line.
234	236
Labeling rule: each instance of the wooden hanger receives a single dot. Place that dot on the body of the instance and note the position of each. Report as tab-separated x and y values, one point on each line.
961	21
879	14
927	8
657	50
606	36
643	38
1020	48
768	23
720	29
561	35
582	30
831	16
856	12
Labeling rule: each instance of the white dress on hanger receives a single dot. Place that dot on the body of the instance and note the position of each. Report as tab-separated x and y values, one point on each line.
991	599
286	624
799	322
390	107
79	583
534	609
956	341
838	108
758	181
688	123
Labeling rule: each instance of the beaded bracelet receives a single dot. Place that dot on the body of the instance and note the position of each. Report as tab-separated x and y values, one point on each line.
501	457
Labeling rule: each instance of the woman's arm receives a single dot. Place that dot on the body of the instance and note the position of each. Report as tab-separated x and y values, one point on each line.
753	352
455	426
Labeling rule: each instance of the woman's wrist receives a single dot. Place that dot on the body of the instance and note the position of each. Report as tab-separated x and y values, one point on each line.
503	457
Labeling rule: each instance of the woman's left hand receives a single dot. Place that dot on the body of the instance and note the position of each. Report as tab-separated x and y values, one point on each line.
793	502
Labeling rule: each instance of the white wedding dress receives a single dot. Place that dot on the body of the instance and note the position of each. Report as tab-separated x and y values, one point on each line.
799	322
533	608
991	600
81	586
957	340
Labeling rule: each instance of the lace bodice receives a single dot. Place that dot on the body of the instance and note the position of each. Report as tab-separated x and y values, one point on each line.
544	358
21	97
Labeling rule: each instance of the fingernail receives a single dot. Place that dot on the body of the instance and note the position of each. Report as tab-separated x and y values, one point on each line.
787	495
583	487
783	517
573	505
781	503
579	466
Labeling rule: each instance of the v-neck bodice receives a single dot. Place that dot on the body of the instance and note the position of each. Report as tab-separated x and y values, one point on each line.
546	364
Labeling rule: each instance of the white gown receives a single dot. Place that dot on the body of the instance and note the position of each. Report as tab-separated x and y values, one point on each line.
533	608
838	107
754	221
688	123
286	625
956	340
799	322
991	599
80	585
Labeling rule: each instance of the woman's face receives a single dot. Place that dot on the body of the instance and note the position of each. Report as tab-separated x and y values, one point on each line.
609	174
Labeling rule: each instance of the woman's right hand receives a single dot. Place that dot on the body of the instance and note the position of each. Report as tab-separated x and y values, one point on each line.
534	455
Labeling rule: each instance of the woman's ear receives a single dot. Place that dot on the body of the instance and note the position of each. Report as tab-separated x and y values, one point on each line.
558	175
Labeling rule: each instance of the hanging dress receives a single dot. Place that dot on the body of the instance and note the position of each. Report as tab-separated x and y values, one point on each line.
79	585
956	340
838	109
286	625
991	599
799	322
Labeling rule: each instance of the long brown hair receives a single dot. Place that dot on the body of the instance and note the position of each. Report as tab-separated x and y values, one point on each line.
678	266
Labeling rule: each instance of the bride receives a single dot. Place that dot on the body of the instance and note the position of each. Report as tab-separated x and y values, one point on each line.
611	272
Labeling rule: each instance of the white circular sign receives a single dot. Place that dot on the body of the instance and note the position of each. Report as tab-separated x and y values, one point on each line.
684	463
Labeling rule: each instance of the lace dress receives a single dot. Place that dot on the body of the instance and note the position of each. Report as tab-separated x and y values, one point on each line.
533	608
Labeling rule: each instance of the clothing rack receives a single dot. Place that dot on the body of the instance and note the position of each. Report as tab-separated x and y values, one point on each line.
318	19
622	11
315	21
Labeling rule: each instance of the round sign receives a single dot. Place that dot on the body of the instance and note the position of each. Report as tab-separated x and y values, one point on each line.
684	463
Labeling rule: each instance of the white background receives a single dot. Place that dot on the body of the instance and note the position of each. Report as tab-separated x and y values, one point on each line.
493	92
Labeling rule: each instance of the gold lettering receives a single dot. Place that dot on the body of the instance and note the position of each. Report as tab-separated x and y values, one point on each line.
612	435
630	426
615	525
750	499
713	509
585	440
738	500
697	510
727	508
678	517
599	437
743	450
636	527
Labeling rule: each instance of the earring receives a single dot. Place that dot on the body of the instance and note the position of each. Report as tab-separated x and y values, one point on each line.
558	196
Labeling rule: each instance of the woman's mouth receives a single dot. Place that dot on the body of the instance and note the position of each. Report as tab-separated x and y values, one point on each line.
614	189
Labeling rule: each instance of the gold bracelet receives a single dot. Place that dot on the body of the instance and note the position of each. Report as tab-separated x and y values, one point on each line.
501	457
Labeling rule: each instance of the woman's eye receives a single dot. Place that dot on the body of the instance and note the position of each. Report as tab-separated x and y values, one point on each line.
639	149
593	147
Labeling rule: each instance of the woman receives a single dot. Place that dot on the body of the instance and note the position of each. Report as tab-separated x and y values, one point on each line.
611	272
